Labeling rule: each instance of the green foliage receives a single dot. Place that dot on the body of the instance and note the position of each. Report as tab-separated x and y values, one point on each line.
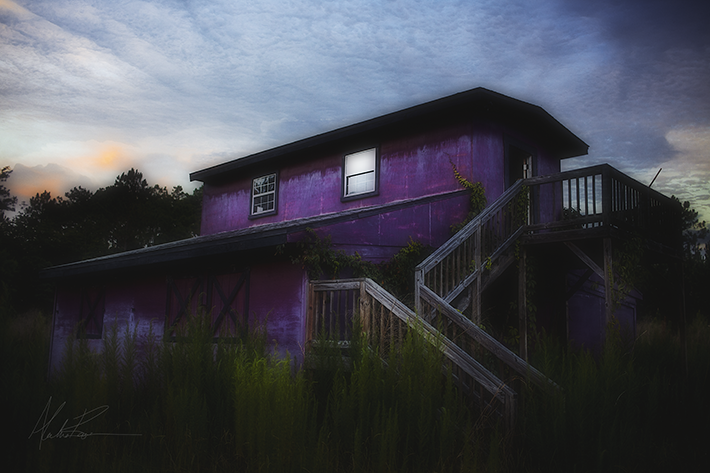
696	260
478	199
628	268
201	406
694	232
7	202
323	262
127	215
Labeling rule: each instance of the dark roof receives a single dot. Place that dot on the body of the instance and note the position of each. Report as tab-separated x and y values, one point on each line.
218	245
476	103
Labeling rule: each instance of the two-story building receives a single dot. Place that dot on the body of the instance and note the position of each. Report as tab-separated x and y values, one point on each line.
371	187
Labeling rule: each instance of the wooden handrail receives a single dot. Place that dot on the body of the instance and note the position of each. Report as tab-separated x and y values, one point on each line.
437	256
496	388
489	343
602	196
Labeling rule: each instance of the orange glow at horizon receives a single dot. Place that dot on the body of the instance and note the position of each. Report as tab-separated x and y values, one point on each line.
105	159
108	156
54	185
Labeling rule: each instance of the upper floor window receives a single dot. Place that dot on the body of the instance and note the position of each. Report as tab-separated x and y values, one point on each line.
263	195
360	173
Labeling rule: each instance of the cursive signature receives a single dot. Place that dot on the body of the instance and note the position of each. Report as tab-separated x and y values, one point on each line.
69	431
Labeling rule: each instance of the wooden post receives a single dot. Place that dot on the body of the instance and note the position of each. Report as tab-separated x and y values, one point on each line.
477	255
523	305
606	197
608	282
311	313
418	283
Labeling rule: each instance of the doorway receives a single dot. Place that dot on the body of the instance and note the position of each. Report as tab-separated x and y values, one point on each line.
518	164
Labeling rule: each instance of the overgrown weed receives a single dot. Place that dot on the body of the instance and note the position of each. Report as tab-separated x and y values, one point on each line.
201	405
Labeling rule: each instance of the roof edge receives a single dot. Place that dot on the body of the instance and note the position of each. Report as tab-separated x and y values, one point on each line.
417	111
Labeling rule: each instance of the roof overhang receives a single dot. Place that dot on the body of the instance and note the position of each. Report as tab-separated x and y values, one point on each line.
211	249
473	104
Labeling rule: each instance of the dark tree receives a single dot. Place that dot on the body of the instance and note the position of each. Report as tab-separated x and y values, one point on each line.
696	262
7	202
127	215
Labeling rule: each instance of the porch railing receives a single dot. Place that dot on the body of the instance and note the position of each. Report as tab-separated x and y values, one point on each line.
385	321
600	197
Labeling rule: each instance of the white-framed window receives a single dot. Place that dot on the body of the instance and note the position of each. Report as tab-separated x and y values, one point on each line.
360	173
263	195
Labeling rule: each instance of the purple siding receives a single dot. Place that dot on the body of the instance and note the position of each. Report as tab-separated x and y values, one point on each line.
136	303
414	166
277	293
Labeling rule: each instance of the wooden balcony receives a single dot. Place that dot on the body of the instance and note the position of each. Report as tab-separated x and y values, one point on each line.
600	201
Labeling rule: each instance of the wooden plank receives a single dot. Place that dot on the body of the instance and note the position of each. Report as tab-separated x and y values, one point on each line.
336	285
487	341
585	259
523	304
310	313
578	284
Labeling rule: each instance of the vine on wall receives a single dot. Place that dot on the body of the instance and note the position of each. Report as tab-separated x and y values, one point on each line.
477	201
396	275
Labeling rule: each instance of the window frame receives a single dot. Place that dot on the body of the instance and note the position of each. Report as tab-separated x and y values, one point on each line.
265	213
344	197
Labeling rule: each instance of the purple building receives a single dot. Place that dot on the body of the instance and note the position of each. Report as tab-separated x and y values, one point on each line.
372	186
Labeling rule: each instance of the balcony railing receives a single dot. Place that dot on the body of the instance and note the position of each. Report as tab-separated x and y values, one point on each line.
603	198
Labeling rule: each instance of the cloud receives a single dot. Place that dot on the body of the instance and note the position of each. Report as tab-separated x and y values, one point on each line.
172	87
688	174
25	182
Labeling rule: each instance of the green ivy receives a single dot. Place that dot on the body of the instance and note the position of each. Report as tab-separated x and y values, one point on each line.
477	201
395	275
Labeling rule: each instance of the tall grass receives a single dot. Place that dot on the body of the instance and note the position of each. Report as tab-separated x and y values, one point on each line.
200	406
627	410
205	406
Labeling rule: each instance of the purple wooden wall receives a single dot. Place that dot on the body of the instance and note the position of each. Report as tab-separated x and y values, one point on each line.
414	166
277	298
410	166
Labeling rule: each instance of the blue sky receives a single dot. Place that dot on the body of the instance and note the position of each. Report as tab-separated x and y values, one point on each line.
89	89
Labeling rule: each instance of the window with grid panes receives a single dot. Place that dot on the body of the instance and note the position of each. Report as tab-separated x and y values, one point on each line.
263	195
360	173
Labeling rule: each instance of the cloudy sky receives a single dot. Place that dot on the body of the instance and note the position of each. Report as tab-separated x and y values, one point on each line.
89	89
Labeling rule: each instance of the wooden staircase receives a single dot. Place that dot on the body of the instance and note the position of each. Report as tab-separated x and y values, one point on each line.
448	283
597	202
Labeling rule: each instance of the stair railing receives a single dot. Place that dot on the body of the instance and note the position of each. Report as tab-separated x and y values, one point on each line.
385	321
476	254
474	251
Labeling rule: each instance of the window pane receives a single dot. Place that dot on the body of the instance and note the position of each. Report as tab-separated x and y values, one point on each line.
360	172
361	183
357	163
263	194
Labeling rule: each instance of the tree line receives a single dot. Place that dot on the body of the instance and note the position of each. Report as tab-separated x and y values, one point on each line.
48	231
